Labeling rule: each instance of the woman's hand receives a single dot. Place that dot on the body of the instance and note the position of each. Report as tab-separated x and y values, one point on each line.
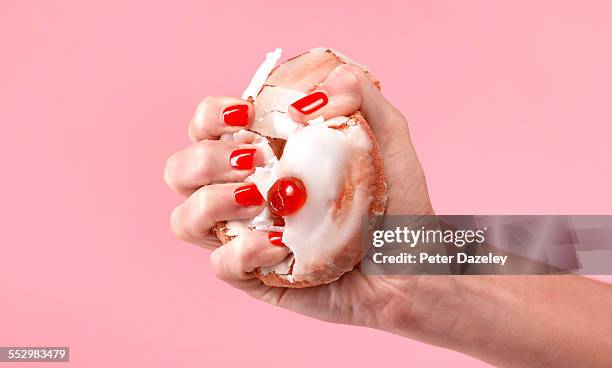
510	321
354	298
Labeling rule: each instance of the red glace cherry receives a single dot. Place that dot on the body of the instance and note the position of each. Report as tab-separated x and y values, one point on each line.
286	196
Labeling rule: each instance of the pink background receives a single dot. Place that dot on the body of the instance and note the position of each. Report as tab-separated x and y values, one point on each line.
510	109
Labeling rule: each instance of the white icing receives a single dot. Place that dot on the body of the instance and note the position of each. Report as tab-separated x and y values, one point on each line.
271	112
263	177
259	79
317	155
245	136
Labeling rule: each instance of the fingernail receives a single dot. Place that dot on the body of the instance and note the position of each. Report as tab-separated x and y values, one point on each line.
311	103
276	238
237	115
248	195
242	159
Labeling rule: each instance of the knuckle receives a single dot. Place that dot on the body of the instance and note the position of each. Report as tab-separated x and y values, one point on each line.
351	75
202	155
358	72
204	204
216	263
247	253
169	168
196	128
244	253
242	249
177	226
204	104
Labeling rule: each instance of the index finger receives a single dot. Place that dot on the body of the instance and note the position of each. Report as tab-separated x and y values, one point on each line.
217	115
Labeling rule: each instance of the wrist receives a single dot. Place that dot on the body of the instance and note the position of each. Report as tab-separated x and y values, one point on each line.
462	313
440	310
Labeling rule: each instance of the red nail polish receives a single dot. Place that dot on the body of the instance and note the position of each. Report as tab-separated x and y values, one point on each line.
242	159
276	238
237	115
311	103
248	195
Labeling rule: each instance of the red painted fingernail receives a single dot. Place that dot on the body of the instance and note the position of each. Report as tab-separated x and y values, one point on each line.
242	159
248	195
237	115
276	238
311	103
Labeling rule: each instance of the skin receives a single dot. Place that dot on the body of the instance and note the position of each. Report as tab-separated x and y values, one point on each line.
510	321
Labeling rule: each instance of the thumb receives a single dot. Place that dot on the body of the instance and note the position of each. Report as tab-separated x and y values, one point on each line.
348	89
405	178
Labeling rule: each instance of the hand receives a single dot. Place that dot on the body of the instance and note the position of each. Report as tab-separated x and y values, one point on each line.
498	319
354	298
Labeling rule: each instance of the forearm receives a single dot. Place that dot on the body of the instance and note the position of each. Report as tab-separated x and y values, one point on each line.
533	321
